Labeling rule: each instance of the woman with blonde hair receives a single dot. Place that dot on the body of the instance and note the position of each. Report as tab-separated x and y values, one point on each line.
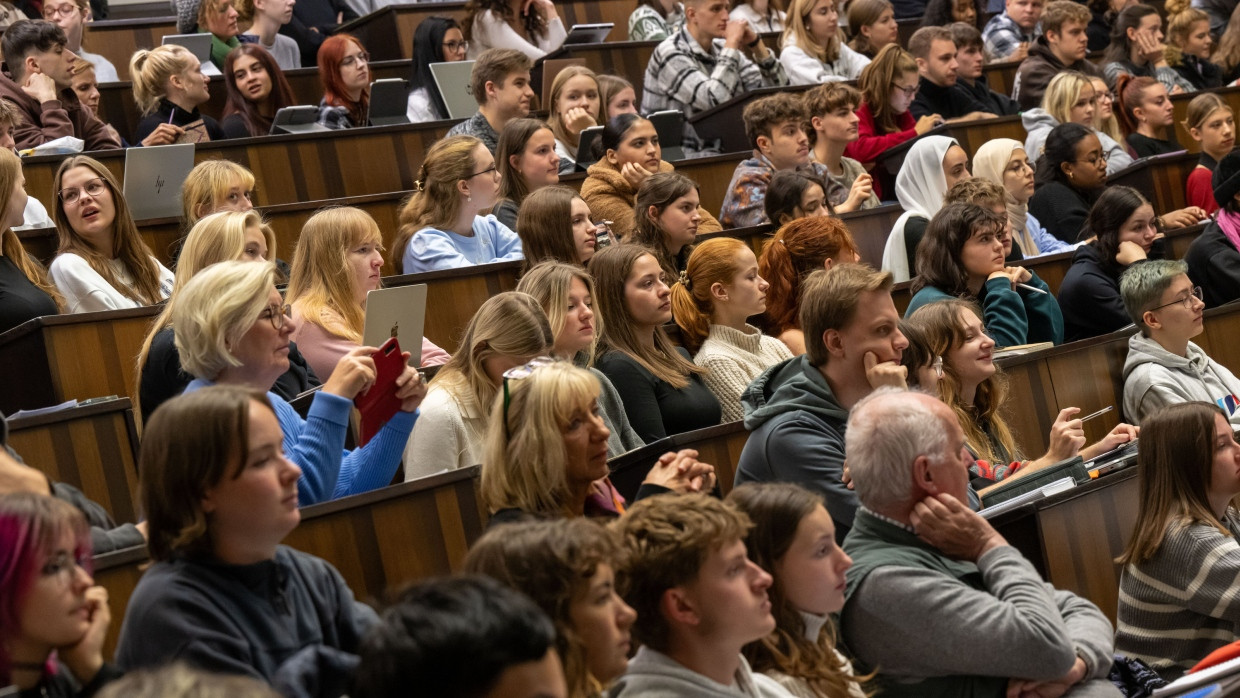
566	294
1104	111
102	262
1188	46
557	226
169	86
527	161
219	237
630	154
26	291
1227	55
797	250
1185	538
508	330
1210	122
575	106
213	186
568	567
793	540
811	48
441	226
872	26
712	301
1069	98
232	328
338	261
976	390
616	96
662	390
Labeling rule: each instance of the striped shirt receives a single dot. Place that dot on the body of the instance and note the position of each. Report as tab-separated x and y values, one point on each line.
1184	602
682	75
1002	35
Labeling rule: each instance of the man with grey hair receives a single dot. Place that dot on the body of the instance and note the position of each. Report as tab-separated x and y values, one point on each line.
1163	366
936	599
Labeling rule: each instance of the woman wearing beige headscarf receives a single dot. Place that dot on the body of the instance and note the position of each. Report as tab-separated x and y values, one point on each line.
1003	161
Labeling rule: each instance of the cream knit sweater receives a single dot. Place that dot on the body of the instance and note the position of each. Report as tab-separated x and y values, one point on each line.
734	359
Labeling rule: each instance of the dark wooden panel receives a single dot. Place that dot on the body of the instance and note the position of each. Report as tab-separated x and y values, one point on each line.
1162	180
1231	95
116	40
94	448
454	295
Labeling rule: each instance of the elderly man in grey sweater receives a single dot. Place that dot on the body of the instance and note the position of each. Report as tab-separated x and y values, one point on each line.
936	599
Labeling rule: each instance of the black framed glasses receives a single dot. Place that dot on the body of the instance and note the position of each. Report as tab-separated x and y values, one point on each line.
455	46
517	373
277	315
908	91
492	168
1194	292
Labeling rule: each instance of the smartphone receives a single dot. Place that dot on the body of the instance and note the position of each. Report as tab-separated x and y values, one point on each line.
380	403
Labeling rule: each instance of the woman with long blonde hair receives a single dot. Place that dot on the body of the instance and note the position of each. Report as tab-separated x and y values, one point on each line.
1070	98
575	106
712	301
441	224
662	390
26	291
566	293
214	186
338	261
219	237
508	330
102	262
811	48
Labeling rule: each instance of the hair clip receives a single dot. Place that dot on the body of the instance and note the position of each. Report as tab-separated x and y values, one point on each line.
417	185
685	281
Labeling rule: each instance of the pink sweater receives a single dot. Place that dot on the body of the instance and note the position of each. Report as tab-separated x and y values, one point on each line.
323	350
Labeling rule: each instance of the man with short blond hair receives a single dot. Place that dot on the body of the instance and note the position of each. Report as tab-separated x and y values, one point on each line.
795	411
500	84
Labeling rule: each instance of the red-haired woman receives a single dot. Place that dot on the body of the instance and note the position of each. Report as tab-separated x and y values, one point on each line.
344	68
257	89
48	601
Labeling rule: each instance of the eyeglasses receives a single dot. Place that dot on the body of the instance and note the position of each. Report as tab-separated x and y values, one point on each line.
492	168
455	46
64	565
1105	97
276	315
348	61
516	374
908	91
1195	292
1094	159
94	188
50	13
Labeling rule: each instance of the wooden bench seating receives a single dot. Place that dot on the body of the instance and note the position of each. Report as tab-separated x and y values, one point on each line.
92	447
1230	95
118	39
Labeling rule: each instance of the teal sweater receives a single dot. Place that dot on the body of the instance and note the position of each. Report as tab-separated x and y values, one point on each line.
1012	316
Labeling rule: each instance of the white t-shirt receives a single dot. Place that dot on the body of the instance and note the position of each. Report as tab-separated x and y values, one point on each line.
104	70
86	291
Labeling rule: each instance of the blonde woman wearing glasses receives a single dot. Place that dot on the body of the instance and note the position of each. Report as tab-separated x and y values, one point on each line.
232	328
546	450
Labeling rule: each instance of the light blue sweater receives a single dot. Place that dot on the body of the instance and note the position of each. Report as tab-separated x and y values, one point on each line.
431	249
316	445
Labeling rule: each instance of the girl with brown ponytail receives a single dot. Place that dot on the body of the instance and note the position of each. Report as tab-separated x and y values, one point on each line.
711	302
798	249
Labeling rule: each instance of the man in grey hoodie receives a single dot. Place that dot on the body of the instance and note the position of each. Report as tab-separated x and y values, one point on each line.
1163	366
699	600
796	410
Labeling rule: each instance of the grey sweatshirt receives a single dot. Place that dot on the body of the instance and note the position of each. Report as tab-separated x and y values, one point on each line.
652	674
1155	378
1038	124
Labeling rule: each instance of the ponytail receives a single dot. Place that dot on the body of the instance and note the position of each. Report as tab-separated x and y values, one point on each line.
712	262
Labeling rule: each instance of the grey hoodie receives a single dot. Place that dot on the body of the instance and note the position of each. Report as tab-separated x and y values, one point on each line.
1038	125
797	435
1154	378
653	674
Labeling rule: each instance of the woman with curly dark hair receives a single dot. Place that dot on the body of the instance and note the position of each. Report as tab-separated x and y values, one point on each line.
532	27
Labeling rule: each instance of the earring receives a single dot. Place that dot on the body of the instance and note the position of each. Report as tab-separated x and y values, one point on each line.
469	198
1069	175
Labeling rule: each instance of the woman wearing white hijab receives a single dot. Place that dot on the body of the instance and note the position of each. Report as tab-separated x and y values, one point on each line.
931	167
1004	162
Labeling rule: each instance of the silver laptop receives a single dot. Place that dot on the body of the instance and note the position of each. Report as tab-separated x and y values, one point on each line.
453	82
589	33
389	102
153	179
197	44
397	312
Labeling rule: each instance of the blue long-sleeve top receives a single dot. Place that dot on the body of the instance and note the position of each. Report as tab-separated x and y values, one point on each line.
431	249
316	445
1012	316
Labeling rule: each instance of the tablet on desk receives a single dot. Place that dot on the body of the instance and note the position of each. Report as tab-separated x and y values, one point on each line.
589	33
